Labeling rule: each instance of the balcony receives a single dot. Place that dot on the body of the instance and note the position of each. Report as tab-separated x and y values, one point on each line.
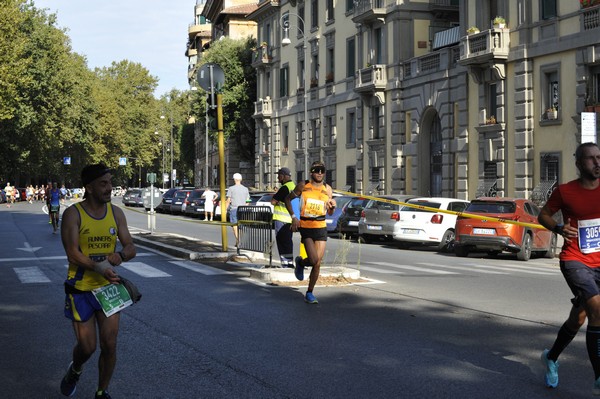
371	79
194	29
438	61
487	49
369	11
590	18
263	56
263	108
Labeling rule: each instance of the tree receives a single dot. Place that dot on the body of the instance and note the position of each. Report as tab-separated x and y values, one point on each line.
239	92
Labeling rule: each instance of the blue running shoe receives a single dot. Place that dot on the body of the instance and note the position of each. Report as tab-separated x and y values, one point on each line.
102	395
551	375
310	298
596	387
299	269
68	385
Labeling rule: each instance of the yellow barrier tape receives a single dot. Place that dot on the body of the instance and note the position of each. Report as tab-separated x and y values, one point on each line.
459	214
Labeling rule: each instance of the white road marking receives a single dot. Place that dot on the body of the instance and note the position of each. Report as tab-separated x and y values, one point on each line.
469	269
144	270
414	268
29	275
29	248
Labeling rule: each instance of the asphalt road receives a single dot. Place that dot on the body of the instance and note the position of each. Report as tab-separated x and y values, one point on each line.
429	325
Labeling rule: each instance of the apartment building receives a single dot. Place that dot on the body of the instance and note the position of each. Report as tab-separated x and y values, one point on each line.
404	97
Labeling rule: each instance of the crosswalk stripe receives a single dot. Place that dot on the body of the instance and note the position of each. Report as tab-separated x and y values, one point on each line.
515	269
29	275
414	268
200	268
144	270
469	269
376	270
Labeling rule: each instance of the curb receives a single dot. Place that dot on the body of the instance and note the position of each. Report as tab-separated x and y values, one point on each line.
178	252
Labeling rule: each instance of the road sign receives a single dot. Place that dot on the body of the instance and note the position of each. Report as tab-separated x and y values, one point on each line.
67	160
122	161
210	76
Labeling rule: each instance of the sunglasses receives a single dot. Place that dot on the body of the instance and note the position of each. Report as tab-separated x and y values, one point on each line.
318	169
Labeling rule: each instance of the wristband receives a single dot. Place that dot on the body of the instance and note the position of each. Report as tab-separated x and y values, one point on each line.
559	229
101	267
293	216
122	255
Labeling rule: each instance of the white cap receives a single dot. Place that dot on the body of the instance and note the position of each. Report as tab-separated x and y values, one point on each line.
237	176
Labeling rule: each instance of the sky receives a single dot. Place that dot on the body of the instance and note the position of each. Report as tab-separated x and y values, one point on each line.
150	32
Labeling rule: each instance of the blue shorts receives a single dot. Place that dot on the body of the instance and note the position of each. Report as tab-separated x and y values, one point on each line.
233	215
80	307
582	280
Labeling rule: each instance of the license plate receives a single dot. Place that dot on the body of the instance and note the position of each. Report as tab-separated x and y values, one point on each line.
489	232
369	227
199	209
410	231
352	223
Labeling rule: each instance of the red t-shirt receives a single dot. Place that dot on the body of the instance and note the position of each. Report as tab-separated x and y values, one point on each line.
578	204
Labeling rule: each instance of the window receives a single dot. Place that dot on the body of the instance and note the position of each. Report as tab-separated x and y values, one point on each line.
351	128
284	81
492	101
594	88
314	15
549	167
330	11
300	22
330	130
350	57
315	133
350	178
300	134
285	138
378	37
329	77
349	5
376	133
548	9
551	90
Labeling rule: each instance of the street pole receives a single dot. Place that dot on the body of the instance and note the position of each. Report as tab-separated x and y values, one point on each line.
172	144
285	23
206	168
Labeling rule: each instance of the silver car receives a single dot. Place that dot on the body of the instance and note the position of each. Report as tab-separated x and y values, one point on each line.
379	218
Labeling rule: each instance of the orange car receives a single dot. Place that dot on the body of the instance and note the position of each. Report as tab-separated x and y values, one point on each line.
475	235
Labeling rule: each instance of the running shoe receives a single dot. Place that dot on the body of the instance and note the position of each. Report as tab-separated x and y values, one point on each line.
551	375
596	387
102	395
68	385
299	269
310	298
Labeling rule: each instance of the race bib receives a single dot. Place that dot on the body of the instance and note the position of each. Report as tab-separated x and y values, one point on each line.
314	208
589	235
112	298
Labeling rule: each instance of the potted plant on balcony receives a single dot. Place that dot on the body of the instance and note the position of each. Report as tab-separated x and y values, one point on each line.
314	82
329	77
499	22
588	3
552	113
472	30
491	120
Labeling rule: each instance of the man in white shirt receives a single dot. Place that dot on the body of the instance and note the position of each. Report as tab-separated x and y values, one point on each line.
209	205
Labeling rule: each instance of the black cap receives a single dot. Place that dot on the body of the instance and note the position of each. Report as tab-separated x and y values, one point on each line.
92	172
284	171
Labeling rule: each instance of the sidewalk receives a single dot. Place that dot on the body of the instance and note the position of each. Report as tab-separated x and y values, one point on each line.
256	263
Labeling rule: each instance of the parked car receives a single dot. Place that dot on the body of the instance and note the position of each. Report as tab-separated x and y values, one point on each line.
2	196
177	205
332	220
348	220
194	204
378	219
265	200
257	195
419	226
133	197
493	237
167	199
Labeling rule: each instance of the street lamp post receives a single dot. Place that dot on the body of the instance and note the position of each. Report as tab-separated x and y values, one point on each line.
285	23
171	146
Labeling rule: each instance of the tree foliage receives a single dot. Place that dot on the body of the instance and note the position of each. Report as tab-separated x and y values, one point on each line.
53	106
239	93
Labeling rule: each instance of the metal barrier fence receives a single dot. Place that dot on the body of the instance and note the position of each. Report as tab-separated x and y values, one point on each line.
255	230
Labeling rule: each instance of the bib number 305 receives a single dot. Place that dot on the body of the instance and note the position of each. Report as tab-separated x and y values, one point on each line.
589	235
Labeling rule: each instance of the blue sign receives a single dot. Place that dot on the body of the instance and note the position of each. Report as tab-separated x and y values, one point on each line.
122	161
67	160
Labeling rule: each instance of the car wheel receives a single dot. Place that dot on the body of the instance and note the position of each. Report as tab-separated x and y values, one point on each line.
493	254
447	243
551	252
461	252
525	253
364	239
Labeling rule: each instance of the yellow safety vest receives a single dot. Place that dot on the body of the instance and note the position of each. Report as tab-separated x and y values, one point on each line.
280	212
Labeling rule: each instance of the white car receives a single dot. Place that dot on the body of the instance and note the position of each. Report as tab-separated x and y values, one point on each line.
265	200
419	226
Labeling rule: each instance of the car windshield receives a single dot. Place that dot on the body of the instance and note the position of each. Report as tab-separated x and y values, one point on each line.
422	203
341	201
266	198
491	207
358	203
196	194
384	206
170	192
181	194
